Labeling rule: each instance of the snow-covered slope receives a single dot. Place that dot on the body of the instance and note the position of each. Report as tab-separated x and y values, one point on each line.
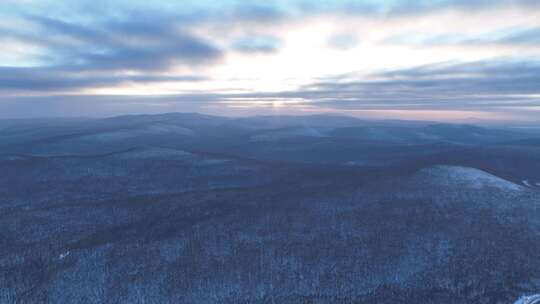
278	134
155	152
534	299
149	130
463	177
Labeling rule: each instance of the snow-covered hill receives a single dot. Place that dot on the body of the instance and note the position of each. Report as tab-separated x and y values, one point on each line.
464	178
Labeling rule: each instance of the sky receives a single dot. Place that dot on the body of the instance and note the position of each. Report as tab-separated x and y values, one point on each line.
451	60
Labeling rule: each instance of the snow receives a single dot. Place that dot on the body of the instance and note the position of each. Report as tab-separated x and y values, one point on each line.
282	134
214	161
146	131
526	183
534	299
467	178
356	163
64	255
156	152
166	128
14	158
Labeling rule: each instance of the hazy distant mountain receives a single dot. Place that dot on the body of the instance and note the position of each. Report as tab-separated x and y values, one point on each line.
457	134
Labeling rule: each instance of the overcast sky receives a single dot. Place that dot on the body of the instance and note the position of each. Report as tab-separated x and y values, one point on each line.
440	59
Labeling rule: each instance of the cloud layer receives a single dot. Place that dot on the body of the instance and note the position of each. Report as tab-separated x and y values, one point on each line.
476	57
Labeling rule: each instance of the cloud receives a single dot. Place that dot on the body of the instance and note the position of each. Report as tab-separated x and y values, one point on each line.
427	6
257	44
135	44
521	37
79	55
396	8
53	79
100	105
509	37
527	36
498	86
343	41
481	84
58	47
256	12
501	85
